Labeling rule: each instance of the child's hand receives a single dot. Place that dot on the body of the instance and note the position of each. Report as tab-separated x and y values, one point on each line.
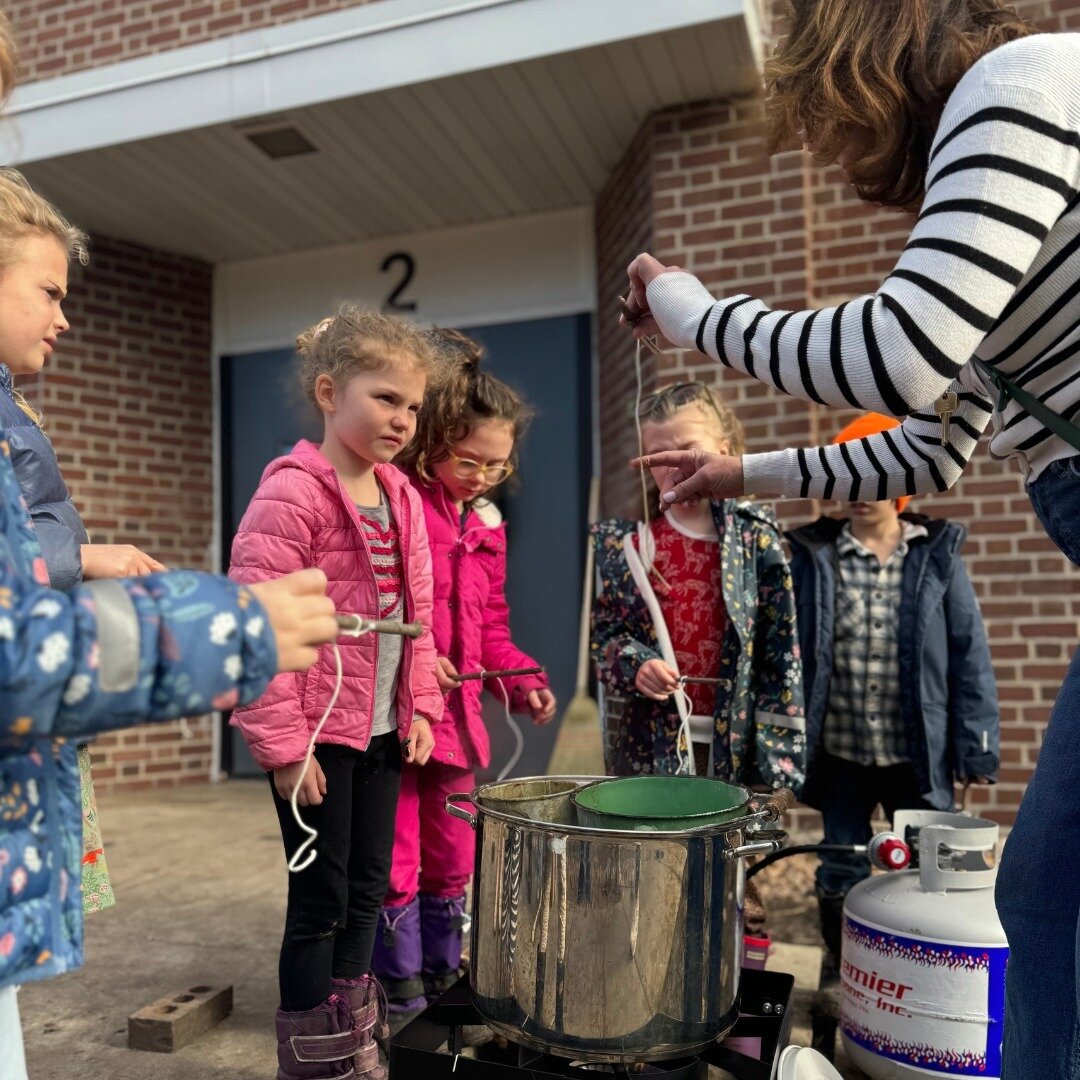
311	790
301	616
446	674
417	748
541	705
656	680
116	560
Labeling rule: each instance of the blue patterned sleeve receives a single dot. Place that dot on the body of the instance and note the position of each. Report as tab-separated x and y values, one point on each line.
116	653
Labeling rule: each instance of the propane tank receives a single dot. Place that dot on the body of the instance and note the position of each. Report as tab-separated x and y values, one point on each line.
923	957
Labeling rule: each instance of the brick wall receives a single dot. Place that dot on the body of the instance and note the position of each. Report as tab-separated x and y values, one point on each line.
796	236
57	37
127	402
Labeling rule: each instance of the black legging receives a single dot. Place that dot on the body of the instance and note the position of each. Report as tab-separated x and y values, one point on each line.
334	904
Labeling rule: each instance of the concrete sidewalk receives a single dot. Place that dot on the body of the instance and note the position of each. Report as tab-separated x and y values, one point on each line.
200	882
200	886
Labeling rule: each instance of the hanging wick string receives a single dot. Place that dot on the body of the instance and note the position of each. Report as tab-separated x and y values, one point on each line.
515	727
646	555
684	747
294	864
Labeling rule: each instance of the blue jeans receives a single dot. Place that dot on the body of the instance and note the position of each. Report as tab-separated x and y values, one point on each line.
850	793
1038	885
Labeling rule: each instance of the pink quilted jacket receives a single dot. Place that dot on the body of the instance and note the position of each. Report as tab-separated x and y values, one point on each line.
301	516
471	620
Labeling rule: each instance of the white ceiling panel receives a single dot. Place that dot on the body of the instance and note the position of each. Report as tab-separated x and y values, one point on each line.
510	141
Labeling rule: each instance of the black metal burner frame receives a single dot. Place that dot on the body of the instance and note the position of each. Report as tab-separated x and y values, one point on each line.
429	1047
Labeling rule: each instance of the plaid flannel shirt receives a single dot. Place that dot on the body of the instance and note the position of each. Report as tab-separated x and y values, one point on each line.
863	723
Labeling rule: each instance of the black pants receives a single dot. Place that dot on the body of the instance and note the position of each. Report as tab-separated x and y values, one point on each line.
334	904
850	794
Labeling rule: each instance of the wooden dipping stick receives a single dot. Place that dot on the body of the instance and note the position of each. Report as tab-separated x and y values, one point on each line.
498	674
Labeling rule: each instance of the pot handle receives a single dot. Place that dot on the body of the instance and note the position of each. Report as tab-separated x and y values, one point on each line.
773	842
772	807
456	811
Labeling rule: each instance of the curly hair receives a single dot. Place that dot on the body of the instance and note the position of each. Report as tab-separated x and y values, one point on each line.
463	398
869	79
356	340
23	212
9	58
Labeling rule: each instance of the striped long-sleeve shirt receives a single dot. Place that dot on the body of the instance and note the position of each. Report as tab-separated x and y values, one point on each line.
991	269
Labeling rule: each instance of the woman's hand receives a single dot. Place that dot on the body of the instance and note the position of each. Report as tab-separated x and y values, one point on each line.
420	743
641	272
541	705
695	474
116	560
312	789
446	675
301	616
656	679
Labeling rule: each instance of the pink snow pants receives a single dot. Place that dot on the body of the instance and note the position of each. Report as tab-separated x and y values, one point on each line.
433	852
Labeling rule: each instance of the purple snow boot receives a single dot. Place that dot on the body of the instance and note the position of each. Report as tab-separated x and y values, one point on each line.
368	1004
397	961
442	923
317	1044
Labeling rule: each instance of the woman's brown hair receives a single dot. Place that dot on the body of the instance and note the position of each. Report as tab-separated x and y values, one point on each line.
869	79
463	398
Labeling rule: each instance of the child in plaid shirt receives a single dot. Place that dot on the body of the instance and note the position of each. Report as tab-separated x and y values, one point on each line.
900	697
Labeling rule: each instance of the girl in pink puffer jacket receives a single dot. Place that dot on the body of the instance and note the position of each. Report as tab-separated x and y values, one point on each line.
343	507
464	447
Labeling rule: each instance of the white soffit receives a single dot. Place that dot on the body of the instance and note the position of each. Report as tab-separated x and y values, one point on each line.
424	114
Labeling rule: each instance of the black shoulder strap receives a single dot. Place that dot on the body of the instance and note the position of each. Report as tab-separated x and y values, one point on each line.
1008	390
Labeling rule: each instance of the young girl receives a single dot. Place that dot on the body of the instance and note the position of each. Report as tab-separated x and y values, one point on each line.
465	446
343	507
69	556
703	590
109	654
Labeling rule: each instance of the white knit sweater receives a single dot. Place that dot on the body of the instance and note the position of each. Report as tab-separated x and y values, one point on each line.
991	269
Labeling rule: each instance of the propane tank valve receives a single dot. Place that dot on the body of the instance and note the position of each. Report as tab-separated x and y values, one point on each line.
888	852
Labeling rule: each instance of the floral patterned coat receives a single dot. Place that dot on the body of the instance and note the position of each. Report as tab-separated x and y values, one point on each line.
760	733
107	655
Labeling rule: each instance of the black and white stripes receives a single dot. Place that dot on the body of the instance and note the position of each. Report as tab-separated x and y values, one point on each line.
992	269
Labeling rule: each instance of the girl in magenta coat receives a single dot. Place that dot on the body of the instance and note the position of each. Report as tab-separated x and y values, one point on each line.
464	447
343	507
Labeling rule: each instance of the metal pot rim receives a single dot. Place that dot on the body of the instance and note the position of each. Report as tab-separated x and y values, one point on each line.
736	824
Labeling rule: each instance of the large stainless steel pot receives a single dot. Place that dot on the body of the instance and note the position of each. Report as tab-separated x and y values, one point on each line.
605	945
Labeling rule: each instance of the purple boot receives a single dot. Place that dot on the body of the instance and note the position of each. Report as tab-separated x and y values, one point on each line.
397	959
367	1002
442	922
317	1044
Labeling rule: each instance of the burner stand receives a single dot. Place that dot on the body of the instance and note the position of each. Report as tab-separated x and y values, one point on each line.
429	1047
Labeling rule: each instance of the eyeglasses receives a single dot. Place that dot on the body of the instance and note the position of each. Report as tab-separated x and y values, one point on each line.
676	396
467	469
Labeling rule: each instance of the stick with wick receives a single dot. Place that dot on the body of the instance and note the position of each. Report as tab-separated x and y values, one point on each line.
499	674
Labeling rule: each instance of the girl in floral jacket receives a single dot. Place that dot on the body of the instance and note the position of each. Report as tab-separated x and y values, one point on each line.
701	592
109	654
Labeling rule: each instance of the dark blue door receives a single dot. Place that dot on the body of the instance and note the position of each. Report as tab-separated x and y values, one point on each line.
548	360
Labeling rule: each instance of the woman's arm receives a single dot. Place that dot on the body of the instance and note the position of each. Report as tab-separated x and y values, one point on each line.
1006	165
909	460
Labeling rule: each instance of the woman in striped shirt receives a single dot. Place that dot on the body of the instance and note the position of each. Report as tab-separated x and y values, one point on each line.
954	109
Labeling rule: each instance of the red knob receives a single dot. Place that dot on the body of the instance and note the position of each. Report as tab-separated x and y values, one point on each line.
888	852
